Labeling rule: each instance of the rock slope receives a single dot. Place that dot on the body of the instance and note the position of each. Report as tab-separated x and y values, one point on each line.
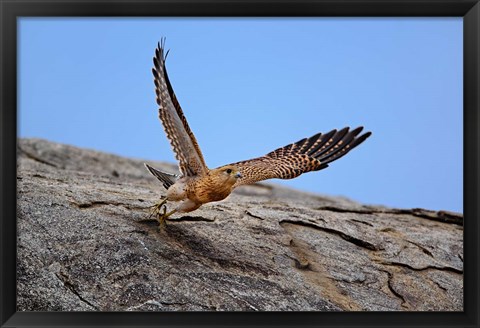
85	243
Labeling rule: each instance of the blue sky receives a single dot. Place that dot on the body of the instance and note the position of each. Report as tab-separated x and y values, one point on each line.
248	86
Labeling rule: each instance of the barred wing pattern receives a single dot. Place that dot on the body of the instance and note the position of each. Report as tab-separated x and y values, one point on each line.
183	142
308	154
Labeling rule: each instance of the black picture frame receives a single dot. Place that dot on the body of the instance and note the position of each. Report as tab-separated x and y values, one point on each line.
11	10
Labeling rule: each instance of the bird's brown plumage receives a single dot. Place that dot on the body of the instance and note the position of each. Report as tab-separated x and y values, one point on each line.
308	154
199	185
181	137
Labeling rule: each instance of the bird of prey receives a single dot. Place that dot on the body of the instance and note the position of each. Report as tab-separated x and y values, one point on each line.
197	184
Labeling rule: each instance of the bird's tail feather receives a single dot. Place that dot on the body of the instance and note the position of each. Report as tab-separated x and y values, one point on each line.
167	179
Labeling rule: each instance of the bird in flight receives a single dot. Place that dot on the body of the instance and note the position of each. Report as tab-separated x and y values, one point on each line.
197	184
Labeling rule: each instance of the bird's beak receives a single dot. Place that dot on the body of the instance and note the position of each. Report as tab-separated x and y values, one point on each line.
238	175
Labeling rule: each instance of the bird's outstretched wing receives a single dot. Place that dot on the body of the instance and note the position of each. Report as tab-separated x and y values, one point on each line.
183	142
308	154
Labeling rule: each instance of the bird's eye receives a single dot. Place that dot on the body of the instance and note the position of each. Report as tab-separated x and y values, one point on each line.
229	171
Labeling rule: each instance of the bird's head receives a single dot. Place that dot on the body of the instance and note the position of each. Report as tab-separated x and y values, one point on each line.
227	175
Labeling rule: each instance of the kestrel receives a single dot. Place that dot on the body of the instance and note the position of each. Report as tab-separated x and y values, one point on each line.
198	185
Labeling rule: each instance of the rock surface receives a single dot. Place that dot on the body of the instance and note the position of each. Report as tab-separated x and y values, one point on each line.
84	244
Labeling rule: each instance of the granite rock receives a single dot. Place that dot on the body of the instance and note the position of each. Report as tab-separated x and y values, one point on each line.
85	243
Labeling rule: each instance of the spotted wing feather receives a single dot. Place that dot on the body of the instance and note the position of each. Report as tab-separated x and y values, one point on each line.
305	155
182	140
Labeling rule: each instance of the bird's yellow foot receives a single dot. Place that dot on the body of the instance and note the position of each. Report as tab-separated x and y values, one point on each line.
161	214
155	209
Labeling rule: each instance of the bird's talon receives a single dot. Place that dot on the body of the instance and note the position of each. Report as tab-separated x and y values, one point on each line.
161	222
156	212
